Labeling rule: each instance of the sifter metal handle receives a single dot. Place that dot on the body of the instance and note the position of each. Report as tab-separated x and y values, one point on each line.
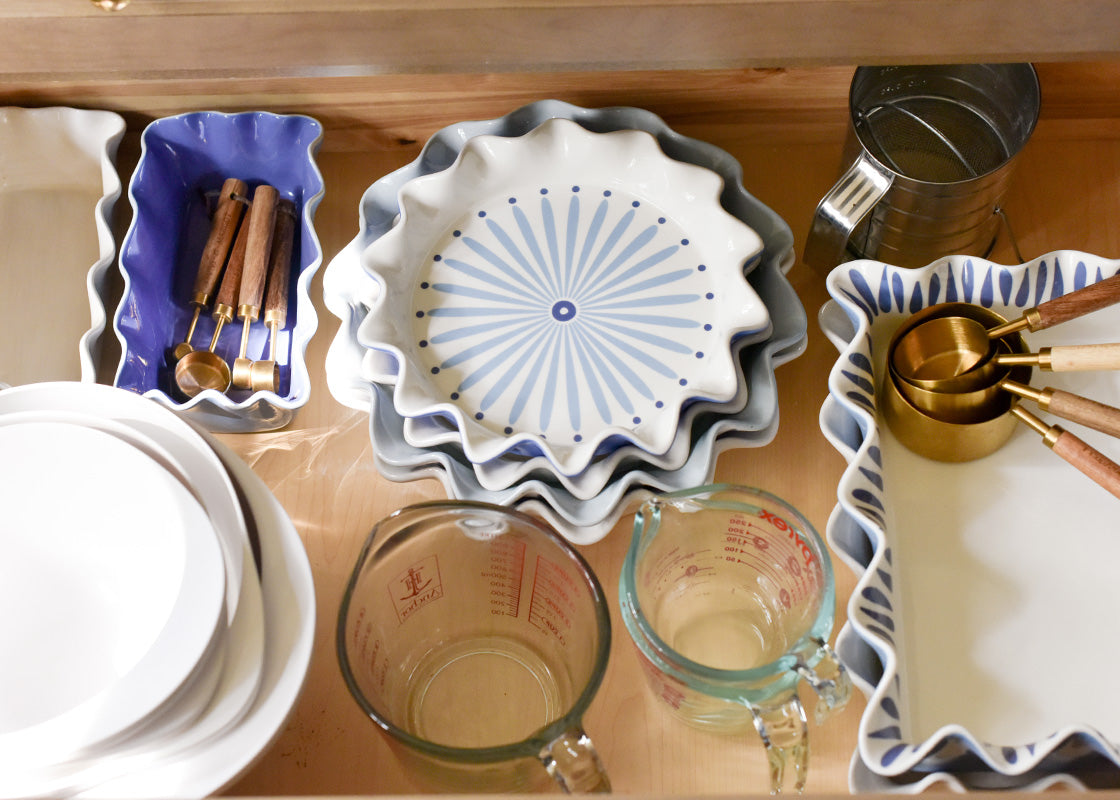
842	208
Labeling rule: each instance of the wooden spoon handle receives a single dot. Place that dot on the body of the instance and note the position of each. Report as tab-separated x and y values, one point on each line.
262	218
280	265
1093	463
222	227
1075	304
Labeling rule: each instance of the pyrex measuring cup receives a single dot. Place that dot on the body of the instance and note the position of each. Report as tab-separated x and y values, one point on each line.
476	637
728	594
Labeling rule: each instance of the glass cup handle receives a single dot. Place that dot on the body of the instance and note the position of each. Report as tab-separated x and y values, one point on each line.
573	762
829	679
781	726
841	209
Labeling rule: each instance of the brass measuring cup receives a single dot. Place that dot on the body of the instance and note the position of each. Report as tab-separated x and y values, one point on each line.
964	426
223	225
958	442
258	248
942	426
204	369
954	346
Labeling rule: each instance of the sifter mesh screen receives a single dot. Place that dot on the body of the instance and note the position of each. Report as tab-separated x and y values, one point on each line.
931	139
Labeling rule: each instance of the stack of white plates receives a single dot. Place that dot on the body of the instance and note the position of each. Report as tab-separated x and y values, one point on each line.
157	606
563	309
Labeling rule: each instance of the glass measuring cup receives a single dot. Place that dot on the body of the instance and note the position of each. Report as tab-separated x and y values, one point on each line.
728	594
476	637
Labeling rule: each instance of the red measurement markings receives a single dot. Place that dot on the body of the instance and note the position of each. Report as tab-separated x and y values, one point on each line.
676	565
779	560
502	574
551	608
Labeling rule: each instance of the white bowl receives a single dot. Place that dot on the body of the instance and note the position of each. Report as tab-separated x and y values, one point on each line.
986	591
562	290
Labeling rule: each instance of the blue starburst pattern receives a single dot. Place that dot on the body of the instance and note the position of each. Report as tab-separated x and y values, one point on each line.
563	309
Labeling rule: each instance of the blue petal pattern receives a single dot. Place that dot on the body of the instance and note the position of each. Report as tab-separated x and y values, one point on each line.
589	287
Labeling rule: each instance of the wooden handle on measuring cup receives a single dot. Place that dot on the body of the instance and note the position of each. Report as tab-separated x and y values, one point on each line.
1067	405
1080	357
1075	304
1090	413
280	264
231	202
1091	462
262	218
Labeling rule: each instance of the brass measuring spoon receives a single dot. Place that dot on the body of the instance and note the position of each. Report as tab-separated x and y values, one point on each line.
265	375
967	344
1090	461
222	227
205	369
262	220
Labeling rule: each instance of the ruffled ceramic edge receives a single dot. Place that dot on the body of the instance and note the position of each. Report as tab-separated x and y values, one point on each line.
458	479
261	410
354	394
438	154
538	498
881	288
863	780
414	397
100	133
379	203
722	434
378	212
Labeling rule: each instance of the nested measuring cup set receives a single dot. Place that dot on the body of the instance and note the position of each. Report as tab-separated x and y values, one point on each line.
476	637
957	375
248	248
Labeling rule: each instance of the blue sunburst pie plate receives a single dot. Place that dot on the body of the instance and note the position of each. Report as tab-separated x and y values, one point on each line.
561	291
984	612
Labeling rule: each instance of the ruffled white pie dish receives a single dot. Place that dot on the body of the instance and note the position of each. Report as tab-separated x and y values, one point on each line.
986	589
559	291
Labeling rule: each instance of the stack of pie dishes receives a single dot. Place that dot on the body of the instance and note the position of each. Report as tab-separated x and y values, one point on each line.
563	309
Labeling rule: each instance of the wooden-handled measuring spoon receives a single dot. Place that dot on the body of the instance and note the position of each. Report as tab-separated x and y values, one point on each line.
262	221
223	224
205	369
265	375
